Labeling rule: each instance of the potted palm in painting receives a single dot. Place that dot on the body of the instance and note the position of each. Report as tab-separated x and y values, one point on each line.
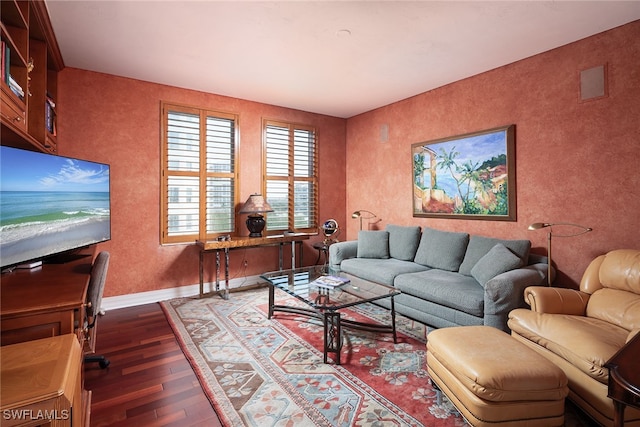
469	176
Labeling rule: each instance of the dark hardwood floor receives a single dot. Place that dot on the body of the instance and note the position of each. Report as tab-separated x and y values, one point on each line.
149	382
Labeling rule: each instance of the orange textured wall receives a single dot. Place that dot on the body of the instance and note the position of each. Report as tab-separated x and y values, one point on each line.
576	161
116	120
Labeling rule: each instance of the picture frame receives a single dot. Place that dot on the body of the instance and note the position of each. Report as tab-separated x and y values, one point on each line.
470	176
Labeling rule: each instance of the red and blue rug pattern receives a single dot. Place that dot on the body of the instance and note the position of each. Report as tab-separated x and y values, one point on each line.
261	372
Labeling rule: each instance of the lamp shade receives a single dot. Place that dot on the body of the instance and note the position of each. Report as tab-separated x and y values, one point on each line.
256	204
363	214
539	225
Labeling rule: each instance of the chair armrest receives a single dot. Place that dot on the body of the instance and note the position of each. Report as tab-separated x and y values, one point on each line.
556	300
632	334
505	292
340	251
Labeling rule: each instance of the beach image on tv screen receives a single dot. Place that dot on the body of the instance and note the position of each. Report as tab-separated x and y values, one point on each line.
50	204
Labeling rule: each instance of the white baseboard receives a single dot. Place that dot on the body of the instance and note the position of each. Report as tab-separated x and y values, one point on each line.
130	300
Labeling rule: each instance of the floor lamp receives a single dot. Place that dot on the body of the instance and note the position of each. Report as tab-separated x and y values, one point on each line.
363	214
550	234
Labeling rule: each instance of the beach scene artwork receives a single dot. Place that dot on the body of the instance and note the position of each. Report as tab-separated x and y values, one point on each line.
50	204
469	176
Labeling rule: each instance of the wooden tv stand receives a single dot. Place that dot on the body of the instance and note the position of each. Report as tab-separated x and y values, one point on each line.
45	301
40	307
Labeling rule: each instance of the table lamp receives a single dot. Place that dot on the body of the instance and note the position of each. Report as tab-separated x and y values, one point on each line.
255	206
539	225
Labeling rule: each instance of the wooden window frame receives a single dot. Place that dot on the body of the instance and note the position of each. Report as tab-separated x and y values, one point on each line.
291	178
202	173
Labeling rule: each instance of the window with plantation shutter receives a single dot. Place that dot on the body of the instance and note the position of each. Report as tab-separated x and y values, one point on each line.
291	182
199	167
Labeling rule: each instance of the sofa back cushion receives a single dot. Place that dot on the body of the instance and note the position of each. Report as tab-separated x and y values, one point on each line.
620	269
479	246
618	301
620	308
403	241
443	250
498	260
373	244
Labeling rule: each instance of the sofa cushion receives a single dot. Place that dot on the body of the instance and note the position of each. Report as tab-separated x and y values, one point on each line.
497	261
373	244
382	271
443	250
480	245
446	288
620	269
403	241
584	342
615	306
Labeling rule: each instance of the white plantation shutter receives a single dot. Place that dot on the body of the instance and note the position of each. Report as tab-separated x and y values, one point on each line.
220	184
199	174
290	170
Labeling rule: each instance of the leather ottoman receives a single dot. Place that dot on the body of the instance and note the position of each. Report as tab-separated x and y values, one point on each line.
492	379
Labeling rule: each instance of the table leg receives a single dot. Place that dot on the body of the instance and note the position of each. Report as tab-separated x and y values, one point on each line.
332	335
618	414
217	270
280	266
325	258
271	300
293	254
301	258
225	293
201	270
393	321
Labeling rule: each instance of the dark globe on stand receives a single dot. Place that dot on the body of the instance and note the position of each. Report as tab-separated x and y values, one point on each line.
331	230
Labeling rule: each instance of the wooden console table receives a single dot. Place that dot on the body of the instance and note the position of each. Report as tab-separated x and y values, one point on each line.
42	383
624	379
244	242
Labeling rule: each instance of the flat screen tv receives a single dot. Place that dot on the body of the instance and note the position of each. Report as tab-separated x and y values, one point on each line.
50	205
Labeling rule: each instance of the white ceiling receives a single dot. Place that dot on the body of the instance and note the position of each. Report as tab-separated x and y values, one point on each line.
339	58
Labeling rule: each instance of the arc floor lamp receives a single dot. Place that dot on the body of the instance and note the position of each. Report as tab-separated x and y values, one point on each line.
550	234
362	214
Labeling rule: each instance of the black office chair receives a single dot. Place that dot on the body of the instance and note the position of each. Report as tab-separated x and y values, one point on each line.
94	301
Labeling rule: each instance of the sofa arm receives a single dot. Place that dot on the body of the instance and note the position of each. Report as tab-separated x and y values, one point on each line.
340	251
505	292
556	300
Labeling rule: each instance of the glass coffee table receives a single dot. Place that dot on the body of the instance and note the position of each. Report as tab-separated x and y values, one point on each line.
326	304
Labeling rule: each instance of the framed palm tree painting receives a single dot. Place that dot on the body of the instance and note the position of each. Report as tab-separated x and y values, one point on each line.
468	176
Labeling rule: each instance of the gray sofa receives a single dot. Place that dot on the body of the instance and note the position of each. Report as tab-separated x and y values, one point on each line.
446	278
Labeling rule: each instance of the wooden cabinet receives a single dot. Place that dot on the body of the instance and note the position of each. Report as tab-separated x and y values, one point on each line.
46	301
42	384
29	90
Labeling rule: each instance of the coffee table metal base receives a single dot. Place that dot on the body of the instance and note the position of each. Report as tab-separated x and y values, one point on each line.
333	324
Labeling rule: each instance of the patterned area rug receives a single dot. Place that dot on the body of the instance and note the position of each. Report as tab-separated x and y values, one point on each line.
261	372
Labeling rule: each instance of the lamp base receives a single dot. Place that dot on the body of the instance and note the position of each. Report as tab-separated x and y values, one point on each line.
255	224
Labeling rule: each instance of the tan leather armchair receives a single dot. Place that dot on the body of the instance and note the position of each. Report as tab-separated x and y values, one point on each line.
580	330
